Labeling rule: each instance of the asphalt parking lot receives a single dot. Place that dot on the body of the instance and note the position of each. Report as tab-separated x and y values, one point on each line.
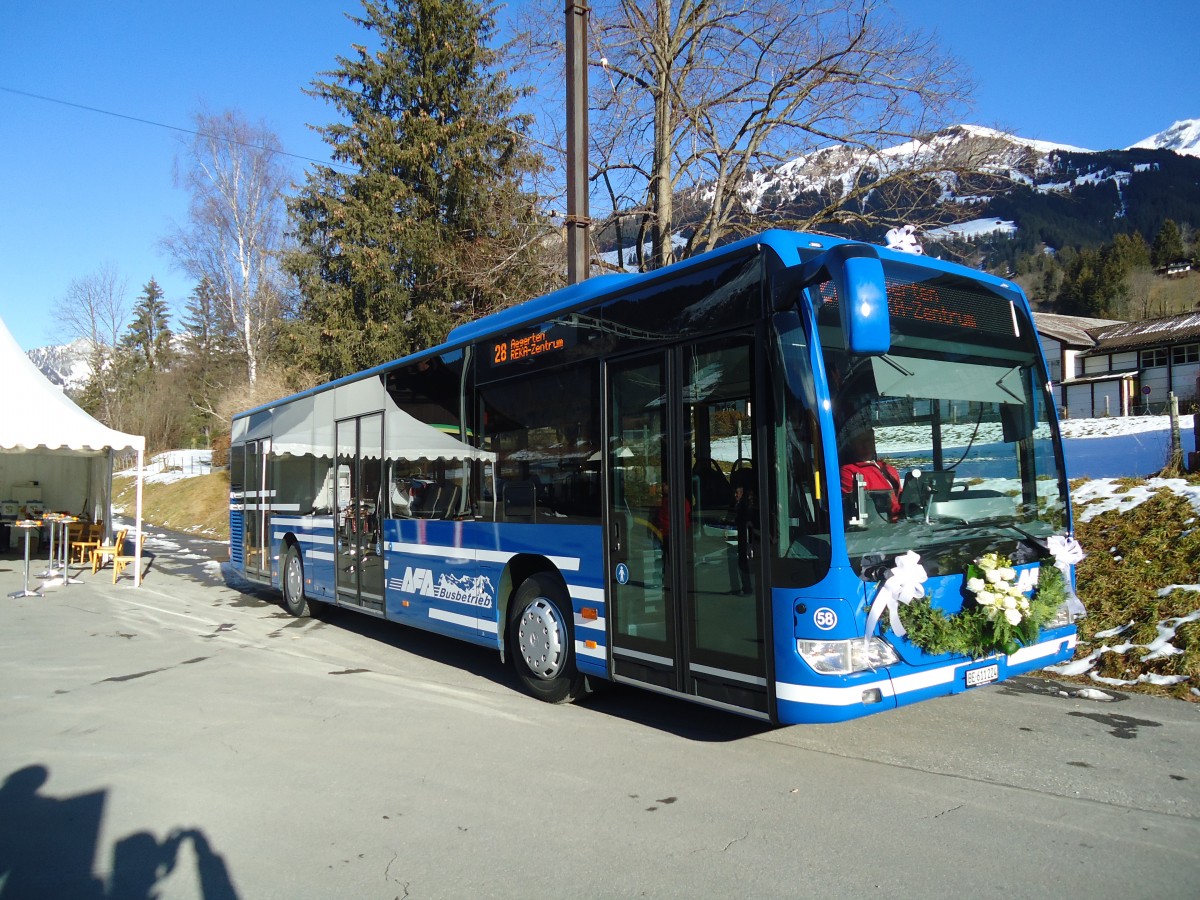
189	739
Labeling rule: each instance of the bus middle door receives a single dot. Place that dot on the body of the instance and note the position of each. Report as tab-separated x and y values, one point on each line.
357	514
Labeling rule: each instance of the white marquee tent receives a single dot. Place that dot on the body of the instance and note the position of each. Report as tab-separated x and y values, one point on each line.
53	451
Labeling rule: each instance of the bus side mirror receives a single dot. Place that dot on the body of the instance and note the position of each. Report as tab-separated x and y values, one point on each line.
1014	422
857	276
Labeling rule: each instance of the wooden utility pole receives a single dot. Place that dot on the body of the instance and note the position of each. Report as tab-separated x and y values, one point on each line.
577	221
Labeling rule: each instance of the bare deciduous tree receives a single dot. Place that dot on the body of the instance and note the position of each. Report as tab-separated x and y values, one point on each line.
237	180
692	100
95	309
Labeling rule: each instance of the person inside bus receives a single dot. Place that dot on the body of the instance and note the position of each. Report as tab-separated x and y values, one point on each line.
859	457
743	512
401	497
660	516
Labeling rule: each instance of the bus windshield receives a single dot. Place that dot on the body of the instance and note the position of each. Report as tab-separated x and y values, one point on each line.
946	442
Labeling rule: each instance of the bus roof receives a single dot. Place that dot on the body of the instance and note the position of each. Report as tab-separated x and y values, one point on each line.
597	286
792	247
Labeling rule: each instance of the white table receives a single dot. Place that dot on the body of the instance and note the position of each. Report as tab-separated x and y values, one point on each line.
28	525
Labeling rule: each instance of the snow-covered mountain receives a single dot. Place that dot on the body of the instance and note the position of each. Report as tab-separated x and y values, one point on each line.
1004	183
65	365
1037	164
1182	137
834	170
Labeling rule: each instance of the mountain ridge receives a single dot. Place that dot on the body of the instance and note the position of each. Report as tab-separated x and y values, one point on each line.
64	365
1182	137
983	182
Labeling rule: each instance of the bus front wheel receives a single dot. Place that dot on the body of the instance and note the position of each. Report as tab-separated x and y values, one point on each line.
541	640
294	600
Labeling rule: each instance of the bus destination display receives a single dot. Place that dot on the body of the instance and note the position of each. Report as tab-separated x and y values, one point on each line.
525	347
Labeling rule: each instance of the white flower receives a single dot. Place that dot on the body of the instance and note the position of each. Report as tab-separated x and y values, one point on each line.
993	575
1014	617
986	598
1007	574
1009	603
975	585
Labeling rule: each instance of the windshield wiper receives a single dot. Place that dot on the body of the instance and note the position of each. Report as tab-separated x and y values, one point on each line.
1020	529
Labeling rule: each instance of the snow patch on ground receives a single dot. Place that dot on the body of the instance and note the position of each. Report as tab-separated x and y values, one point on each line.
174	465
1160	648
972	229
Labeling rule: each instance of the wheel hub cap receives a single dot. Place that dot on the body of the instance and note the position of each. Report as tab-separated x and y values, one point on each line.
292	576
541	634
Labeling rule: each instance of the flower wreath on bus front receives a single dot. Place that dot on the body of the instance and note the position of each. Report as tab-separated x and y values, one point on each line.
1001	617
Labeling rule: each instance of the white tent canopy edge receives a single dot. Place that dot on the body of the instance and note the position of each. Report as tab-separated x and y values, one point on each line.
39	420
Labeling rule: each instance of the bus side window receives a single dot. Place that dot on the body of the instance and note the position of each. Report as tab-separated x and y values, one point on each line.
430	450
547	453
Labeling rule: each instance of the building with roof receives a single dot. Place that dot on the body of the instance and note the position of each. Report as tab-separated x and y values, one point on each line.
1102	367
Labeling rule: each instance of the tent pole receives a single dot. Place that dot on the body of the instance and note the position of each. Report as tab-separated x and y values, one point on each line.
137	547
107	514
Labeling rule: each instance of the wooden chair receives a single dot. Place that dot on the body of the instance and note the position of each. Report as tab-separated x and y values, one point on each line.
121	560
90	535
101	551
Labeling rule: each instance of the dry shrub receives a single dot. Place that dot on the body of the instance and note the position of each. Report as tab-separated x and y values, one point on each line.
1132	554
273	383
197	505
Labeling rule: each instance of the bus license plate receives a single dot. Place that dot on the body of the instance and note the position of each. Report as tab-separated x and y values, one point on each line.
983	675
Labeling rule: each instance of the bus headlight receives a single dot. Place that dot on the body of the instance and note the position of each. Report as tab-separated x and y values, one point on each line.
845	657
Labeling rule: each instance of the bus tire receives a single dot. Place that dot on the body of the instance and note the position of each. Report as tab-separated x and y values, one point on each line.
540	636
294	600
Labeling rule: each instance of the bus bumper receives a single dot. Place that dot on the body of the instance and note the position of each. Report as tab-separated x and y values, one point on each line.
840	698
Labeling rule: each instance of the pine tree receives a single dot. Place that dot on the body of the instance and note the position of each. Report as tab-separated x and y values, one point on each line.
432	225
211	361
1131	250
149	334
1095	282
1168	244
205	330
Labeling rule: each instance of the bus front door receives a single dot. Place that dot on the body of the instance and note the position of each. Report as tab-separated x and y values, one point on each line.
359	476
687	594
642	596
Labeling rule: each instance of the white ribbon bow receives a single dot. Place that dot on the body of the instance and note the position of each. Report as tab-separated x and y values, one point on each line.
904	585
1067	552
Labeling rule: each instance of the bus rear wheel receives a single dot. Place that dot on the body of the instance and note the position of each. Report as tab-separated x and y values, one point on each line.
294	600
541	641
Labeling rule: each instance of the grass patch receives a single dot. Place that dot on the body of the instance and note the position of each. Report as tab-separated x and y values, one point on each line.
197	505
1131	555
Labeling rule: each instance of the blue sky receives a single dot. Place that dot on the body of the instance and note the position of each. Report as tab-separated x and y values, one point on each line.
82	189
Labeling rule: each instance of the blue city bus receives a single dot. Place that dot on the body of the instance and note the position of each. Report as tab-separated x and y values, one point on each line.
637	479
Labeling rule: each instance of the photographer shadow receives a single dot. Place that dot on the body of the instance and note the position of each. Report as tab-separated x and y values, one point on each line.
48	846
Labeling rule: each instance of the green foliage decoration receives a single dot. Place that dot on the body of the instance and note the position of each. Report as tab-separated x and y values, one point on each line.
980	629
